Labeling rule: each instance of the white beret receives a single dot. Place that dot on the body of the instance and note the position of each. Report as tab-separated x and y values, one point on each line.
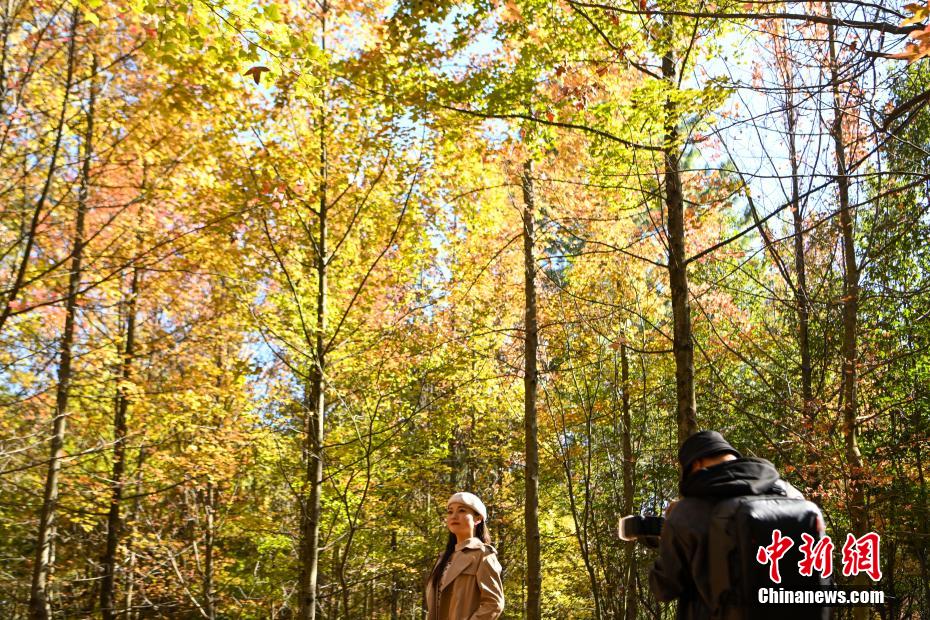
471	501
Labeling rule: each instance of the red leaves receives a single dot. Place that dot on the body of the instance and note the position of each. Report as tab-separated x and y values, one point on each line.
256	72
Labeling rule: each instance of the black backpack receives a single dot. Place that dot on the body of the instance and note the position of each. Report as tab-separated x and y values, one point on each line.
738	527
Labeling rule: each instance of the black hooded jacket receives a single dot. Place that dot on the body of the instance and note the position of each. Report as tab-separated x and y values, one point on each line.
682	569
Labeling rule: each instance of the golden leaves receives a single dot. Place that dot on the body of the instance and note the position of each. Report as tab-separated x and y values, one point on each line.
920	47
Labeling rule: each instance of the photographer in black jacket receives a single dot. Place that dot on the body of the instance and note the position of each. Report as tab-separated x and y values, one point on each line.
712	470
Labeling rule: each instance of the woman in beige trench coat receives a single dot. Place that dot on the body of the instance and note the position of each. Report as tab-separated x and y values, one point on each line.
465	583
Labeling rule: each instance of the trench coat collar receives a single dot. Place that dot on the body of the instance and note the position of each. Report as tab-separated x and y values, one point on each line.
459	561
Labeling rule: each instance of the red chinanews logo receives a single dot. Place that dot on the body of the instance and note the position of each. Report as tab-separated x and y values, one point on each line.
860	555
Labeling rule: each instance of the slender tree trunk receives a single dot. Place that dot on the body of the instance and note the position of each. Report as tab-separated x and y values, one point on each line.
114	521
802	301
530	379
343	581
857	508
211	493
587	515
850	305
314	432
310	531
801	297
39	608
209	536
20	276
683	341
629	467
131	568
394	584
922	541
5	24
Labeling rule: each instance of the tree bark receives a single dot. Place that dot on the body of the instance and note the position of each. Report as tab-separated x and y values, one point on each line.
629	467
39	608
209	535
683	342
394	585
313	452
5	23
314	439
850	302
114	520
131	568
530	380
802	302
921	543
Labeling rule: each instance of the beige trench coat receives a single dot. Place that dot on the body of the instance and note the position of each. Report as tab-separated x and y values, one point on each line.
471	589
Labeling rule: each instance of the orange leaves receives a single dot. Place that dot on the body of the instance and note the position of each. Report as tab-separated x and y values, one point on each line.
920	46
915	51
511	13
919	13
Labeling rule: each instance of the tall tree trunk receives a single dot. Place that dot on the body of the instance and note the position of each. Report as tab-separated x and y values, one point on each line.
801	296
394	585
628	473
683	340
857	508
44	559
588	514
6	22
344	588
209	536
530	380
313	453
114	521
131	568
20	276
210	494
802	302
850	305
921	542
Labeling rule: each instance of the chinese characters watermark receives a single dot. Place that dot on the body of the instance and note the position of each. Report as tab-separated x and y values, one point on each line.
859	555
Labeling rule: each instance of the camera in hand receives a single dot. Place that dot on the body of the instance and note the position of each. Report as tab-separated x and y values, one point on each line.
641	528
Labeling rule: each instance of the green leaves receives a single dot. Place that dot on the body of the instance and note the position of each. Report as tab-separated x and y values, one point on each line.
272	12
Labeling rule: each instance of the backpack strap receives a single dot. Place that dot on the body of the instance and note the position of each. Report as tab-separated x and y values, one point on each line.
721	549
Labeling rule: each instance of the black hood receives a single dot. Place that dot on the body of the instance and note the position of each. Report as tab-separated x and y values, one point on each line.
746	476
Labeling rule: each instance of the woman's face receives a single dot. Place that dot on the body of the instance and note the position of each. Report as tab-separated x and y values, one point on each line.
461	520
